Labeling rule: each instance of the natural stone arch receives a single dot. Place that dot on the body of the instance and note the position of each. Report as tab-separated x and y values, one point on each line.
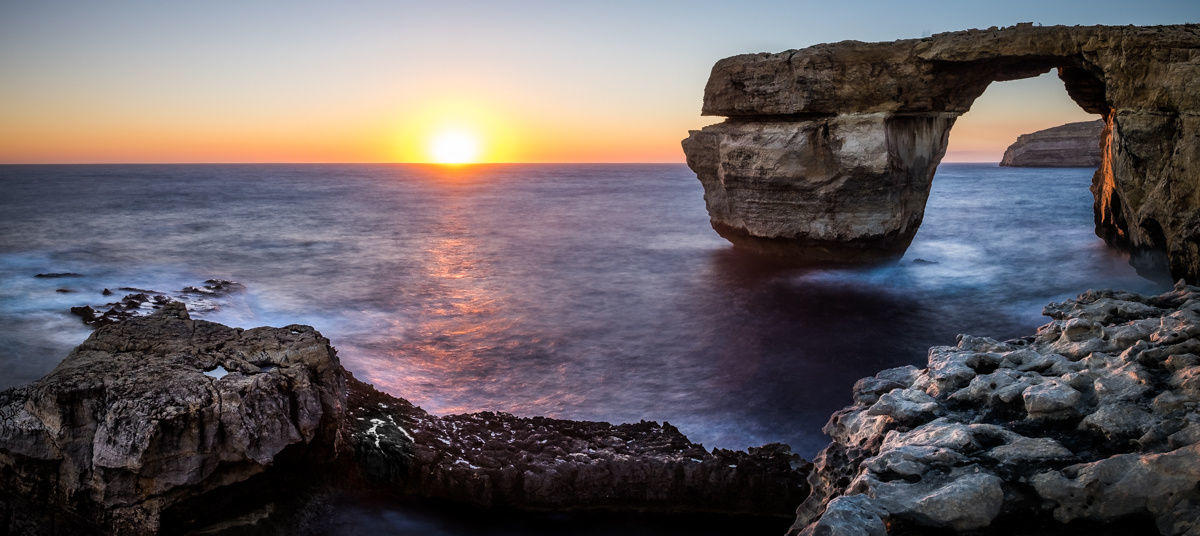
828	153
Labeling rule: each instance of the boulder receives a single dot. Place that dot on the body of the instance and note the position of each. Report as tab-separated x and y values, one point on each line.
156	411
849	515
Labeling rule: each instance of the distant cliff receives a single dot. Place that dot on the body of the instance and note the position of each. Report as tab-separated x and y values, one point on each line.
1069	145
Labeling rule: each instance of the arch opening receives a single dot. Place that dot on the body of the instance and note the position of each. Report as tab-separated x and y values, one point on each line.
1008	112
1009	109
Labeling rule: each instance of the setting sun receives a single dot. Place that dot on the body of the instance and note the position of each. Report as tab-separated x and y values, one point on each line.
454	147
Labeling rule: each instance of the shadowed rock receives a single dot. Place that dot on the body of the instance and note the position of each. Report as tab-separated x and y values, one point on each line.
499	460
828	152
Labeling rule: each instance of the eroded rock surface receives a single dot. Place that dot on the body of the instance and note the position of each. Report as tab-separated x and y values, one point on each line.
1069	145
499	460
828	152
155	411
1092	424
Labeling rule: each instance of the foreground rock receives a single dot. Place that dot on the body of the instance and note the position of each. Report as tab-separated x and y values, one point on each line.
828	152
154	412
499	460
166	424
1090	426
1069	145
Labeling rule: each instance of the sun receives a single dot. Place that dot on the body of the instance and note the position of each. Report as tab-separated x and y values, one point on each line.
455	146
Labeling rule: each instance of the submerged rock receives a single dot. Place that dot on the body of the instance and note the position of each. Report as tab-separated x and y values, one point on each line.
1092	424
143	301
828	152
131	306
1069	145
214	287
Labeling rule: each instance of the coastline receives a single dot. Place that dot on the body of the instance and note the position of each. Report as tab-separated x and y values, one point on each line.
341	437
152	441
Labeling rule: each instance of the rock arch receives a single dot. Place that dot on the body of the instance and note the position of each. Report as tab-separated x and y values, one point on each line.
828	152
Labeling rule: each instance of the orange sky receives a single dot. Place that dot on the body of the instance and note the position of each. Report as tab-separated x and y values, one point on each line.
376	81
505	135
508	131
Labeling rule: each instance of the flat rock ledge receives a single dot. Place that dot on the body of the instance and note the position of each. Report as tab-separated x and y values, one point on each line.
164	424
499	460
1091	426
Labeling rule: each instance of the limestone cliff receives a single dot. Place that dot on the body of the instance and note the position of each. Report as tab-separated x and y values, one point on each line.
1069	145
828	152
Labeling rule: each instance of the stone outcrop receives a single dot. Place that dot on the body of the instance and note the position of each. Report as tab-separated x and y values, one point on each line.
164	424
1090	426
1069	145
153	412
828	152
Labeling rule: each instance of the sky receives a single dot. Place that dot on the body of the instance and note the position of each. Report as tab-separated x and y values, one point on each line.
373	81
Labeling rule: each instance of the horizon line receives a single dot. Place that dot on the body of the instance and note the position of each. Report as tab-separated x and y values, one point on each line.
384	163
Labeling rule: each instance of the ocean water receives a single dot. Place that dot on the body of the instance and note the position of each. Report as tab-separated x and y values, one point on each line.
576	291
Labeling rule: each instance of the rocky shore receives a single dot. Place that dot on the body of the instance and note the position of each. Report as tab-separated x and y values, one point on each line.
1069	145
1090	426
165	424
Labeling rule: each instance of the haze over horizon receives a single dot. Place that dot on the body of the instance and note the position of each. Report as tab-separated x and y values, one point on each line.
382	82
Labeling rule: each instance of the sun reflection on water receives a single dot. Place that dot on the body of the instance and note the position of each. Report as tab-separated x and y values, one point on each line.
457	344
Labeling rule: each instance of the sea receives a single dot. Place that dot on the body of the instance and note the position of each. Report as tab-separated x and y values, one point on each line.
595	292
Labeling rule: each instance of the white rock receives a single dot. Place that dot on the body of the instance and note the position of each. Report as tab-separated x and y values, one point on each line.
1051	397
